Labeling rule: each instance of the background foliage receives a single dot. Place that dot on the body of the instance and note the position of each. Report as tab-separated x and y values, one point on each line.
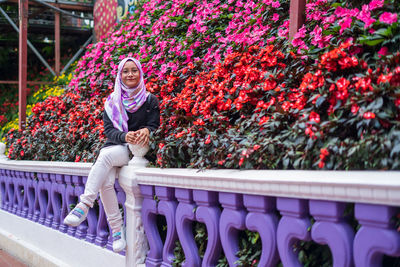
236	93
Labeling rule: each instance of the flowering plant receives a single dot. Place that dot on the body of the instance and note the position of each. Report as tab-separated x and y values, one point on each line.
236	93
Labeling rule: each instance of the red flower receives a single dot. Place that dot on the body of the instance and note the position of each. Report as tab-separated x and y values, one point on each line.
369	115
208	140
321	164
263	120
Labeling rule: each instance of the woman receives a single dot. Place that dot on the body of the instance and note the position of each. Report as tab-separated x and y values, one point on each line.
131	113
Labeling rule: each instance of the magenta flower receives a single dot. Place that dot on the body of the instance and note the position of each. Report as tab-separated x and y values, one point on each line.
375	4
275	17
383	51
388	18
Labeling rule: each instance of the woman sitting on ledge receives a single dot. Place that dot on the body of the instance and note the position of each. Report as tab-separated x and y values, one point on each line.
131	113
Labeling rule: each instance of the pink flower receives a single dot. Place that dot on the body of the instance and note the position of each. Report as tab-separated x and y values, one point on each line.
276	4
383	51
275	17
388	18
365	16
345	24
375	4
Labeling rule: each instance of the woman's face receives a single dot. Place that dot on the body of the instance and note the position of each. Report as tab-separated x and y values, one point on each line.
130	74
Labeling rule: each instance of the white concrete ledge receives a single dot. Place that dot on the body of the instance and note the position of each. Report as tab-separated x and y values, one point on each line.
376	187
41	246
69	168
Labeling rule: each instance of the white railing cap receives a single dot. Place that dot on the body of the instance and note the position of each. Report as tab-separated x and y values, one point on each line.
68	168
379	187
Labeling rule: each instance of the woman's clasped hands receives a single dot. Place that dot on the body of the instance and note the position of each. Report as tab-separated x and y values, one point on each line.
139	137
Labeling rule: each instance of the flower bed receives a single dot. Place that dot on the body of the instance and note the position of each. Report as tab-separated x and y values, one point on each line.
236	93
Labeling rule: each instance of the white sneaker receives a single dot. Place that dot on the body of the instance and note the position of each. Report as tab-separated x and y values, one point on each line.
76	216
119	242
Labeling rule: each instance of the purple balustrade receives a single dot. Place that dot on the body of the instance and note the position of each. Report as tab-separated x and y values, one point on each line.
331	229
9	191
19	193
70	199
3	189
13	198
46	199
262	219
377	235
209	212
91	220
185	215
167	207
149	217
25	201
293	226
79	188
233	219
49	209
58	202
33	201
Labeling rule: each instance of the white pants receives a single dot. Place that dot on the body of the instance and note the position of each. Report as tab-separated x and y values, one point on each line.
102	178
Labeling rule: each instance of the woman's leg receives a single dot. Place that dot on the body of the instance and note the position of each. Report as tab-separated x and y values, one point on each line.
109	157
109	199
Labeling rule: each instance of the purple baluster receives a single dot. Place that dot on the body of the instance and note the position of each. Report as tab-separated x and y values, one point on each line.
78	190
3	189
9	191
149	216
48	180
36	211
42	197
91	220
103	231
185	215
292	227
58	202
62	187
14	199
377	235
31	195
25	203
70	199
167	207
209	213
55	202
331	229
232	219
261	218
19	192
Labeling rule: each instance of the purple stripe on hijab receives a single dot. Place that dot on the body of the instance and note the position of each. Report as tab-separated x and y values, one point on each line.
123	99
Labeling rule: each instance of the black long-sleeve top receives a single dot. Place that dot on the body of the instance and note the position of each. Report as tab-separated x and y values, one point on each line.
147	116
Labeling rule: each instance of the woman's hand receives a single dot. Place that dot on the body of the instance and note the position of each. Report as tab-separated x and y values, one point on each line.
130	137
142	136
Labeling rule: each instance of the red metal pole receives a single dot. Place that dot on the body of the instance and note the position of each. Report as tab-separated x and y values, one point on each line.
23	60
297	8
57	42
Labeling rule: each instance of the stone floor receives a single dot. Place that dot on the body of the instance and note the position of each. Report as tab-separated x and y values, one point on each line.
6	260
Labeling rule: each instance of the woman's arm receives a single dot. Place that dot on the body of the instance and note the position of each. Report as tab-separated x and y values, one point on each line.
114	135
153	119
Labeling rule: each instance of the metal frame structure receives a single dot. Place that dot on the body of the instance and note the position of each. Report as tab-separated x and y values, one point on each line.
22	30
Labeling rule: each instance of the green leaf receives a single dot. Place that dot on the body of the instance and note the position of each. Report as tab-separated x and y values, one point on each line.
395	150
